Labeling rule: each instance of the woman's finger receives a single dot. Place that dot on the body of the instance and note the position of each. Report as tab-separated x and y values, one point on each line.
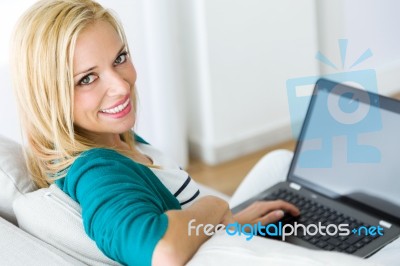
259	209
269	206
271	217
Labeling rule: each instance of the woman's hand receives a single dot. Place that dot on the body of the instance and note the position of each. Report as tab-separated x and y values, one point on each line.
265	212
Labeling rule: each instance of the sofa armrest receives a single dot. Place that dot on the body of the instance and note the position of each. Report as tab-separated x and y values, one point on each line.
19	248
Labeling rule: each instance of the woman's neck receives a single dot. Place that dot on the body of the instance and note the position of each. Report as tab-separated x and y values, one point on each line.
114	141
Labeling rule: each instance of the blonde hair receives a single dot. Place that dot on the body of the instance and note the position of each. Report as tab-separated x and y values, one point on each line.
42	69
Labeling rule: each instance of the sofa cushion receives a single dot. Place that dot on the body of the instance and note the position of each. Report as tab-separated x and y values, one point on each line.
19	248
52	216
14	177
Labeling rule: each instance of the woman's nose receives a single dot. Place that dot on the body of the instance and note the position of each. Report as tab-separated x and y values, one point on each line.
116	84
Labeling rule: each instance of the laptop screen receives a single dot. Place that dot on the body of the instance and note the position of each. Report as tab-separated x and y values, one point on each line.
349	147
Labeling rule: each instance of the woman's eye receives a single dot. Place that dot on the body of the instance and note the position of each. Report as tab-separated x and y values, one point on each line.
86	80
121	58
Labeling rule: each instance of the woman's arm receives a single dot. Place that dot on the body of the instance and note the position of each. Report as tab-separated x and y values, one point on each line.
177	247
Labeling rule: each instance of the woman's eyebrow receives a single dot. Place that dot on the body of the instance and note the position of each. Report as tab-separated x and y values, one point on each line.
87	70
93	67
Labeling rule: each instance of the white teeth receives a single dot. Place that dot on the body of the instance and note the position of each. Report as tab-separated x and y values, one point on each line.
117	109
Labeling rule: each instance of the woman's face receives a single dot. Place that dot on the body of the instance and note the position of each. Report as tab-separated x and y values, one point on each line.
104	78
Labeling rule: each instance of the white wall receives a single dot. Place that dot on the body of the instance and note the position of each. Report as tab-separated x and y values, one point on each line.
246	50
9	123
367	24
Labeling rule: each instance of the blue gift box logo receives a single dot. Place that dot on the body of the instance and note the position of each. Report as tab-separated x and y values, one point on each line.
349	117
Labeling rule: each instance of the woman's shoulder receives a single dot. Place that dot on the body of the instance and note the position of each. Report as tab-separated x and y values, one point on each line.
102	165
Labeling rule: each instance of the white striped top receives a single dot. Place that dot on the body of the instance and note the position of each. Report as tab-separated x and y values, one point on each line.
174	178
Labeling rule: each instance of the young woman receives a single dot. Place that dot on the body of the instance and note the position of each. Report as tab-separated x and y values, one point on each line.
75	84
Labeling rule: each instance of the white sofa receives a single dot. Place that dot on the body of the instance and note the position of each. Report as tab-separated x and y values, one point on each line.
44	227
18	247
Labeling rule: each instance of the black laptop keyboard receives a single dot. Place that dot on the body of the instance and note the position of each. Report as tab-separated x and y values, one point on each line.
313	212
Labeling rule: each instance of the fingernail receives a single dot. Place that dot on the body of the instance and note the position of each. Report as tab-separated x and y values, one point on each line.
279	213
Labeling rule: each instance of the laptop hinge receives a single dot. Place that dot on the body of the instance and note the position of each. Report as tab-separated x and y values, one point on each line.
385	224
295	186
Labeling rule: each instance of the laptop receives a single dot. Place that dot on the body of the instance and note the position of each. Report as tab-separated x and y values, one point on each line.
344	176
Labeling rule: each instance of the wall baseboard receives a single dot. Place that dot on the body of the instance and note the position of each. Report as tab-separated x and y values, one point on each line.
265	138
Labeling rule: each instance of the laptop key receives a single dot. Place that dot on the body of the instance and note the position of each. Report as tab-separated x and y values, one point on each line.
344	246
334	241
302	220
367	239
314	240
329	247
353	239
338	220
321	244
350	250
325	238
359	244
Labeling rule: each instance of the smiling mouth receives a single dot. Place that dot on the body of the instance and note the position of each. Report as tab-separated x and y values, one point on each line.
117	109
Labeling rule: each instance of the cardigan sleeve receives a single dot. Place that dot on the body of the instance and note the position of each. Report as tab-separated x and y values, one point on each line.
122	204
